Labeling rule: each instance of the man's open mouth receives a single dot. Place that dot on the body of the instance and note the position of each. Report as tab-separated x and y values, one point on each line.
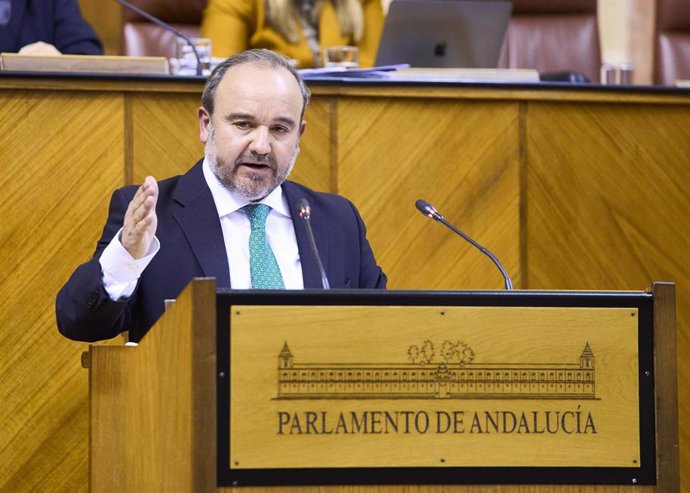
256	166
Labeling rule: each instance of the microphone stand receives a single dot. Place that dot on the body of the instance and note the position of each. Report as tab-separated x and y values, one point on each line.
430	211
305	214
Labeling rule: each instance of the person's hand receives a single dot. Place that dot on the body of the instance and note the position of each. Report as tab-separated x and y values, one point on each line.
141	221
39	48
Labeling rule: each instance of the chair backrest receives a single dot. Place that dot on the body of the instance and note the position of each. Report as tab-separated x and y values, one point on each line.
553	36
672	41
141	37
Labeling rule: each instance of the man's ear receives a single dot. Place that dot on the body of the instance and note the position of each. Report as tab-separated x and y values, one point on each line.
204	121
302	127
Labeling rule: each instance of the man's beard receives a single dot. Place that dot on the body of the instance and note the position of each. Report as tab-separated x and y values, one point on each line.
253	186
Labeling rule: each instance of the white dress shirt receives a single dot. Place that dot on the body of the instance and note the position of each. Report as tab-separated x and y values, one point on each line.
121	271
280	233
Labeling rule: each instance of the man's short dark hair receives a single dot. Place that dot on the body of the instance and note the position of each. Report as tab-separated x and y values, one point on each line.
260	57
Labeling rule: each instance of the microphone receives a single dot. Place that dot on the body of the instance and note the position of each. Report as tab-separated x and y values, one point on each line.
305	214
167	27
430	211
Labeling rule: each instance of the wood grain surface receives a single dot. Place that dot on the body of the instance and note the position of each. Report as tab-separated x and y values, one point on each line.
177	361
570	189
61	155
462	156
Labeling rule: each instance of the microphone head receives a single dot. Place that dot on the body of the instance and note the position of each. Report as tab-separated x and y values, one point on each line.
304	209
428	210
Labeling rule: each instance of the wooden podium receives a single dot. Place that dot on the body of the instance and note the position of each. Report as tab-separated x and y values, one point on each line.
509	391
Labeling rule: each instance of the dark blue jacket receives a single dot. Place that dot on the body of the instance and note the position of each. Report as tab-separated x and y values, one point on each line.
58	22
192	245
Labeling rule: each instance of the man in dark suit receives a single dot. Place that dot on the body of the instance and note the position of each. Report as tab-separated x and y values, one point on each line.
46	27
160	235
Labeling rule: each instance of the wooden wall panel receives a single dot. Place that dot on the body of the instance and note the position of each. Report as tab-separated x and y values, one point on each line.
607	181
61	154
608	208
165	139
463	157
315	164
165	134
584	191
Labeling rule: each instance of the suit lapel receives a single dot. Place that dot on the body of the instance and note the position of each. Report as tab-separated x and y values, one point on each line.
310	268
197	216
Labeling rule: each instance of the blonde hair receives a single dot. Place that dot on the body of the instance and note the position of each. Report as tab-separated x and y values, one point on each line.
283	15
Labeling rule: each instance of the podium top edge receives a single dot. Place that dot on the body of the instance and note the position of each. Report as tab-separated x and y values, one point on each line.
434	298
435	292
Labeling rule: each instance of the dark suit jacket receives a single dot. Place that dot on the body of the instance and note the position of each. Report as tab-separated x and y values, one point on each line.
58	22
192	246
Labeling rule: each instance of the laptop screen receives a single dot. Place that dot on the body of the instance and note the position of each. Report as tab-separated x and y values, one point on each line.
444	33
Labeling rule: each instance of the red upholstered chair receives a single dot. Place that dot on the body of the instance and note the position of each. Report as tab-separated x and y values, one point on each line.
672	41
143	38
553	36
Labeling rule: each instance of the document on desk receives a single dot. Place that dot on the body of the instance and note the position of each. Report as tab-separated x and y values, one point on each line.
418	74
466	75
380	72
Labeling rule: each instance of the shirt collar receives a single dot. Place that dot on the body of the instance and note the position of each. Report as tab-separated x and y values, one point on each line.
228	202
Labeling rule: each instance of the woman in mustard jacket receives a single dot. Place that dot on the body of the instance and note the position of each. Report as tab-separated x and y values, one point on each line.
299	29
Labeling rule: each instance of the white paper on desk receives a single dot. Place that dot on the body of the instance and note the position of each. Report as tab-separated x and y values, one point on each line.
380	72
510	75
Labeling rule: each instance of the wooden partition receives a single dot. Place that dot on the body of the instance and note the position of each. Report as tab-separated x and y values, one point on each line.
572	188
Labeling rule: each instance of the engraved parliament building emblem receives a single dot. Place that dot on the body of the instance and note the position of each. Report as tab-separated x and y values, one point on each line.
448	371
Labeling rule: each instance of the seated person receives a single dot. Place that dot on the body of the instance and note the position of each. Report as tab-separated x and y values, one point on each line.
46	27
298	29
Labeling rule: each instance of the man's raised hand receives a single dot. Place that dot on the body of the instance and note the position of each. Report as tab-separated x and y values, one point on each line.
140	223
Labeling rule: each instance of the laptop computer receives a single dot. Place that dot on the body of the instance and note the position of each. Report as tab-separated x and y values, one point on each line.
444	33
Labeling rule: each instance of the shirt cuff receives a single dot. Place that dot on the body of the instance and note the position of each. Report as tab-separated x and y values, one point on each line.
120	270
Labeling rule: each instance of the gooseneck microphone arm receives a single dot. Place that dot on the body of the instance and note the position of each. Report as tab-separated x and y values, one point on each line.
167	27
430	211
305	214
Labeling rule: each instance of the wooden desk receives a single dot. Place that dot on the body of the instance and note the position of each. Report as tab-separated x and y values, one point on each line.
572	188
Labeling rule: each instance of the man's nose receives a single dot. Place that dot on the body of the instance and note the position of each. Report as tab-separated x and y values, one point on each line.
260	141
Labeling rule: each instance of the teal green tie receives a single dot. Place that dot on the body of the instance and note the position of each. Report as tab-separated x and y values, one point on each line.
262	263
